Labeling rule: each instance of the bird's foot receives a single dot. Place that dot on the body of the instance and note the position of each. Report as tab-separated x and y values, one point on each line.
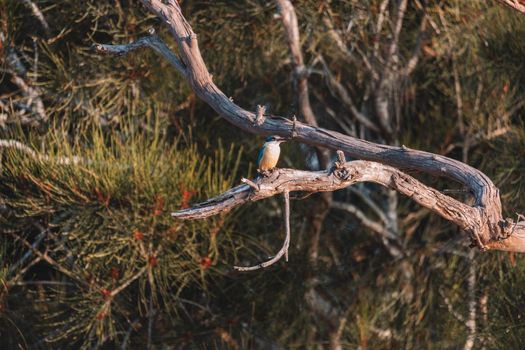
266	172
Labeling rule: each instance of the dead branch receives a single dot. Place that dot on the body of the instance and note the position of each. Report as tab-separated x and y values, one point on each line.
483	220
466	217
518	5
340	92
367	199
393	56
289	19
388	237
291	27
40	157
319	212
414	59
45	257
260	115
151	41
286	244
39	238
39	15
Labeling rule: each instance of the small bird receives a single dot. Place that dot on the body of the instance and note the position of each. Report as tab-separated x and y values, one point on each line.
269	154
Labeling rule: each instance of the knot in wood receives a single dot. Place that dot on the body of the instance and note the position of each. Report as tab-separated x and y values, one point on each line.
506	228
341	173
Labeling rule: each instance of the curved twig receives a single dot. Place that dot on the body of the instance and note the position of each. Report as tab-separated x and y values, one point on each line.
151	41
286	244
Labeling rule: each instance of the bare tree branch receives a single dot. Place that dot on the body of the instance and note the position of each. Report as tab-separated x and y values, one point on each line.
384	233
338	40
37	156
466	217
379	25
483	221
518	5
451	309
45	257
39	15
414	59
286	244
151	41
340	92
291	27
39	238
394	47
319	212
470	322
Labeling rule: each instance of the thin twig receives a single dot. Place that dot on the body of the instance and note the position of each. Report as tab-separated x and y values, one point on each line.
151	41
19	77
450	308
39	15
340	92
286	245
47	258
132	327
26	256
250	183
123	286
42	157
362	192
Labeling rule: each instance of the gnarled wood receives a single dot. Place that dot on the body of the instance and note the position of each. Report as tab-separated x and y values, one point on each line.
289	180
282	180
484	220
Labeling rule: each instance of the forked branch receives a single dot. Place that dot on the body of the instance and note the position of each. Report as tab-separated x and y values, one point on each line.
341	176
483	220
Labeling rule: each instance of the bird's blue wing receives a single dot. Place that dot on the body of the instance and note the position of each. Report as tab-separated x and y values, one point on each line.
260	156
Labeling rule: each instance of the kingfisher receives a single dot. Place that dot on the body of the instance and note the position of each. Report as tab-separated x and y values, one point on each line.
269	154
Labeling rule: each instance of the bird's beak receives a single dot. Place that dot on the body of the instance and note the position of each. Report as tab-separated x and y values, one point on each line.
280	139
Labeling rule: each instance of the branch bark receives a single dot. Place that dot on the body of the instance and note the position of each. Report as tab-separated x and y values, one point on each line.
466	217
483	220
518	5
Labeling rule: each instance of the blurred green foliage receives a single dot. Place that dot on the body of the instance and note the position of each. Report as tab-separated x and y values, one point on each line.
147	146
